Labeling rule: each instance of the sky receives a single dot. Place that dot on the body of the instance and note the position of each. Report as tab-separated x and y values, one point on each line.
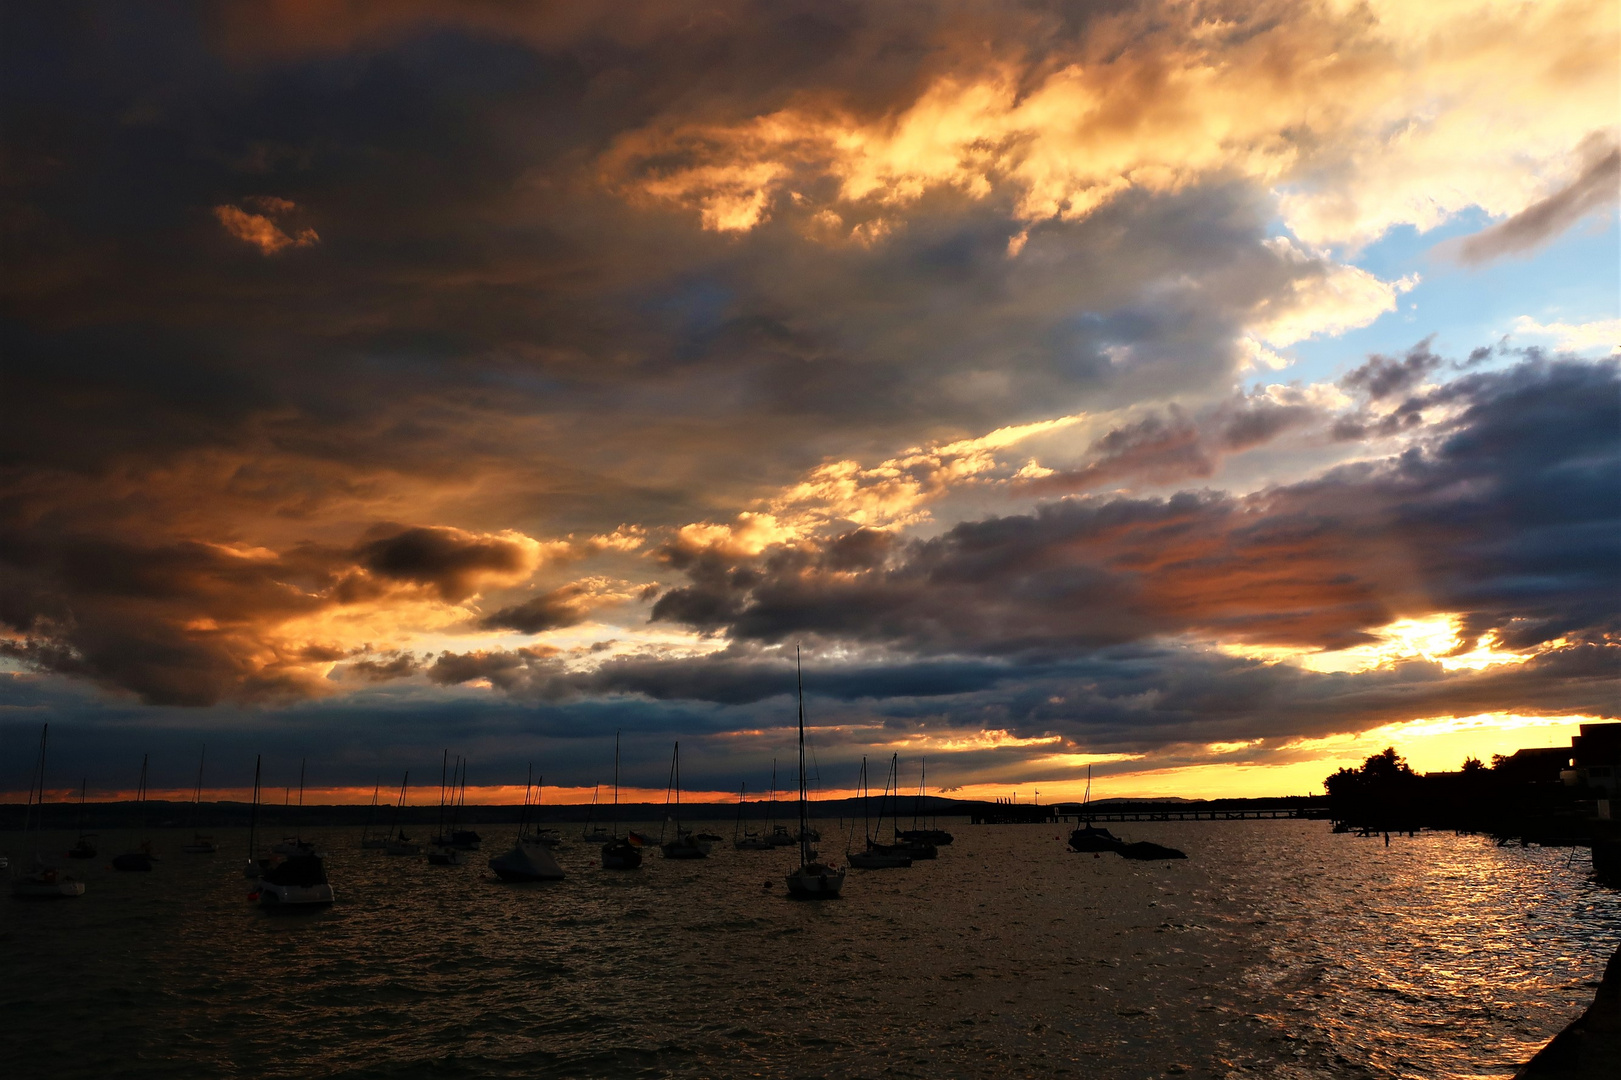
1196	395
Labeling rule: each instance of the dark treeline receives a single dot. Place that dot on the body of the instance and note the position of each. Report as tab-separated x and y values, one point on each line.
1522	797
274	815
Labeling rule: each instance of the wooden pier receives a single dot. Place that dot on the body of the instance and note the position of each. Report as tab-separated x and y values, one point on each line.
1314	807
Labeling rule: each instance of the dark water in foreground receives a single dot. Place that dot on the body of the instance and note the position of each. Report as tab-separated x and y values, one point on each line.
1277	950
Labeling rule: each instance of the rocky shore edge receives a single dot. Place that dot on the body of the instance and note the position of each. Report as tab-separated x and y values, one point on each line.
1591	1045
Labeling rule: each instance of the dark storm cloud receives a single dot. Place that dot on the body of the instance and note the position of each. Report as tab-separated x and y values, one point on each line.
192	623
1384	376
450	561
481	327
550	611
1508	515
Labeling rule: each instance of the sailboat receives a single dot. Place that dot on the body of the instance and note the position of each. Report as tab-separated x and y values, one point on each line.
814	880
41	881
83	848
916	849
685	845
463	839
1087	837
142	858
776	835
548	838
620	852
598	834
255	865
298	881
445	851
397	842
296	844
368	842
873	856
526	862
933	834
200	844
746	839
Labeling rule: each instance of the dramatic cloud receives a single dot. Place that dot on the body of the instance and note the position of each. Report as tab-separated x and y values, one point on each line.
1507	512
429	361
455	564
1597	185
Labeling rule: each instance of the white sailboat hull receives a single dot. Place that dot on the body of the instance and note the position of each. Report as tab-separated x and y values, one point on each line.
816	880
294	895
878	860
524	863
46	885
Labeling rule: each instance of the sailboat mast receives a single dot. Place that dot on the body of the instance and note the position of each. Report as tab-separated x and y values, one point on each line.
37	781
298	830
866	801
197	794
376	788
804	809
616	786
140	794
921	780
395	821
444	764
253	814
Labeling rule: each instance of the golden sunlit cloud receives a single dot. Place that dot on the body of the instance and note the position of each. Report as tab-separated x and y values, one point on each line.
1366	115
1437	638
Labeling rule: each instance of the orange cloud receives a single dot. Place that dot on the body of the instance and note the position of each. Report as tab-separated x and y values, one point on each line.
1364	116
261	232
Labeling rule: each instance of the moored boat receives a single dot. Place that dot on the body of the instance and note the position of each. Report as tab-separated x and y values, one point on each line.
299	881
142	856
873	856
814	879
41	881
526	862
620	852
685	845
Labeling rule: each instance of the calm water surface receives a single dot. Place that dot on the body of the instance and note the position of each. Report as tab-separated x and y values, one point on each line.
1277	950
